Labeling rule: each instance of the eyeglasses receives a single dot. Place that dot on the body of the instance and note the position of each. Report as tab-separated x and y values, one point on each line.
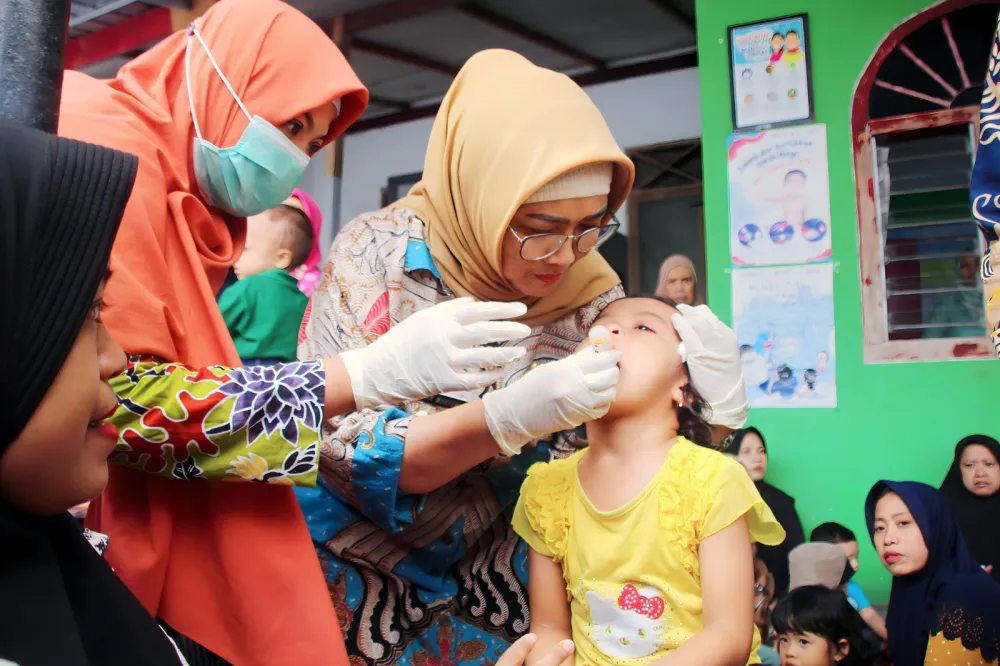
542	246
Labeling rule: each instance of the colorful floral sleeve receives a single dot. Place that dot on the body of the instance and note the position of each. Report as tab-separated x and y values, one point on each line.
236	424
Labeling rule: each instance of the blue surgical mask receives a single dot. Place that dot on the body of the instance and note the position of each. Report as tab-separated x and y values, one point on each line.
256	174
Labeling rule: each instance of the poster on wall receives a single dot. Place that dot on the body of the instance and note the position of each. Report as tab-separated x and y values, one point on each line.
783	318
771	76
779	197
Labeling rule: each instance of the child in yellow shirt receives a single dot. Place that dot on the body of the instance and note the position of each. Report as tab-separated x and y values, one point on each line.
641	543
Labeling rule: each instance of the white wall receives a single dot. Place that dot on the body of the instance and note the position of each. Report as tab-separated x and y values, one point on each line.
640	111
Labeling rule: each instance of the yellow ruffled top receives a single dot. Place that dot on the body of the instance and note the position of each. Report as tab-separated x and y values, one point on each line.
632	574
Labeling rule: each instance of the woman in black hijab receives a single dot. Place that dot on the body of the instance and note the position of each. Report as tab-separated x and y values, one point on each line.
61	202
748	446
972	488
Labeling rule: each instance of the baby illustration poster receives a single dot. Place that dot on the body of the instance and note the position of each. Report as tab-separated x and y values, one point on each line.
783	319
770	72
779	197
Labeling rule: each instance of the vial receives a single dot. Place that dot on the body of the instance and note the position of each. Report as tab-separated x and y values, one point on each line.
600	337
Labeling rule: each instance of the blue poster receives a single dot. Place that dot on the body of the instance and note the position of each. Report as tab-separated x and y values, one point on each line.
770	73
779	197
783	318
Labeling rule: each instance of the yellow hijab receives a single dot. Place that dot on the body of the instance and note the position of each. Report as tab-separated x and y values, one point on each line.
506	128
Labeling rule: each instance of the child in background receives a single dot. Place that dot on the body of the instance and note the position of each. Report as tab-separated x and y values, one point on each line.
640	544
309	274
843	537
817	627
264	308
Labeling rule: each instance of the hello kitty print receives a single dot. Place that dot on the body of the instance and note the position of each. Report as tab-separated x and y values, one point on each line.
630	626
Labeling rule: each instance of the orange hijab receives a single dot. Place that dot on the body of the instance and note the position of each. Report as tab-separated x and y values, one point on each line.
230	565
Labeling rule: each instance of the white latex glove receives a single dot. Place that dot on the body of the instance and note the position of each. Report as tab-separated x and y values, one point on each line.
713	358
437	350
556	396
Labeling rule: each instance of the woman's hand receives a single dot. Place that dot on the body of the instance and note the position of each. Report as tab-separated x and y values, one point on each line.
555	396
518	652
713	358
437	350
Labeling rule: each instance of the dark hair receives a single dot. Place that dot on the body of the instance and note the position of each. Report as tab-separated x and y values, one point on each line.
792	32
826	613
832	533
848	574
693	415
795	172
297	234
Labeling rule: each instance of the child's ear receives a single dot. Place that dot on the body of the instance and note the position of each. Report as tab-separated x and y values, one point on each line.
843	649
678	394
283	260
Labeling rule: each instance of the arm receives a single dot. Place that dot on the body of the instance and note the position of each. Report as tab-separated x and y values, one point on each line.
225	423
875	621
442	446
550	613
727	594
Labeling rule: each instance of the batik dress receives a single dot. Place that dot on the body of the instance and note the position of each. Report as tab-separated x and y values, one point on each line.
416	579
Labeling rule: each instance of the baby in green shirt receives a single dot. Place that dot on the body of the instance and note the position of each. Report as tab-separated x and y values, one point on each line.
264	309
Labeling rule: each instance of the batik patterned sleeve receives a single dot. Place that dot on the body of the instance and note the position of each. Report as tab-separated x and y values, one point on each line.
985	189
362	451
236	424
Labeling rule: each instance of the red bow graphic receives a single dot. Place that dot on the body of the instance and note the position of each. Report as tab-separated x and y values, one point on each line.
630	599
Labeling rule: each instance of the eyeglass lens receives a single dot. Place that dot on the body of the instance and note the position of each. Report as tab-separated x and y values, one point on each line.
541	246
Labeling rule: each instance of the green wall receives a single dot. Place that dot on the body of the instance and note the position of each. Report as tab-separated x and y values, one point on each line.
898	421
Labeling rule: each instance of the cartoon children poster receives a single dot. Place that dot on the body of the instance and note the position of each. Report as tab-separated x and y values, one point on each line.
779	197
770	72
783	318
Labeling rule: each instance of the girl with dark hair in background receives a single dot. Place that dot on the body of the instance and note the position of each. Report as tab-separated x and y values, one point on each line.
748	446
817	627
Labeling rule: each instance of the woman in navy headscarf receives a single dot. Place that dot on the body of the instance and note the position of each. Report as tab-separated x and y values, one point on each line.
944	609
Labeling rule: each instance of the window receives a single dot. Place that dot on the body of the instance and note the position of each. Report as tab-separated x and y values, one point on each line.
915	126
930	247
399	186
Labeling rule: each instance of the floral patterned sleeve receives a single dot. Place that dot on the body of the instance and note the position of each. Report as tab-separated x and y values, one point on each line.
236	424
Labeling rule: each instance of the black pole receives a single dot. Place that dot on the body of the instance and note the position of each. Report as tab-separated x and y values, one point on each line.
32	56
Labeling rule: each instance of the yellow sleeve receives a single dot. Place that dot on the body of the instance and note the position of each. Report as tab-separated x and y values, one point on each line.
731	494
541	514
941	651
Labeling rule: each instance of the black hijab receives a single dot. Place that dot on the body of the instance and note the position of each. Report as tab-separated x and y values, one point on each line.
978	517
782	506
61	202
951	585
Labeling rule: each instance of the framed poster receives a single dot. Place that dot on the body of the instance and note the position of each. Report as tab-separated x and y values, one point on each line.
770	72
783	319
779	197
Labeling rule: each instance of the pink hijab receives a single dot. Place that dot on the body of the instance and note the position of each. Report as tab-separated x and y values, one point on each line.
309	272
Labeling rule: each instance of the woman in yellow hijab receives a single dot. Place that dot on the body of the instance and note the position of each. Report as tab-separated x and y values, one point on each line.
520	183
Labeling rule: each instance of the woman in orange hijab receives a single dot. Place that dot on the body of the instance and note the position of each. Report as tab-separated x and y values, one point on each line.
223	118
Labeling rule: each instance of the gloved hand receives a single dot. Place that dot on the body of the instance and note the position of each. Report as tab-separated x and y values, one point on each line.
556	396
713	357
436	351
